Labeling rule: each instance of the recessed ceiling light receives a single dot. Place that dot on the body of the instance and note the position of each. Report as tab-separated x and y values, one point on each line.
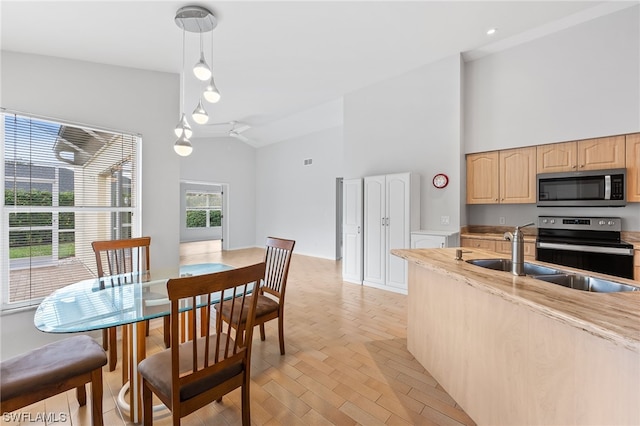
491	31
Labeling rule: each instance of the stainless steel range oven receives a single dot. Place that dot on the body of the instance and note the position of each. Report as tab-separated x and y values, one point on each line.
589	243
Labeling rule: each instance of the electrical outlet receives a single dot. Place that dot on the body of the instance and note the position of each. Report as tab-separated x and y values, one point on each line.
444	220
502	220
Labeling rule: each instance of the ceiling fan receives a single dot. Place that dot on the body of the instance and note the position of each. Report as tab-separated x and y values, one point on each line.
233	129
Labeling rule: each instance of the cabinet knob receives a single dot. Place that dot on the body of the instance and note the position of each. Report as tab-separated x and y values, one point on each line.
581	165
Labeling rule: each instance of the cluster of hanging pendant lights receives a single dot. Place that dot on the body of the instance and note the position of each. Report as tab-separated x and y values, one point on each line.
195	19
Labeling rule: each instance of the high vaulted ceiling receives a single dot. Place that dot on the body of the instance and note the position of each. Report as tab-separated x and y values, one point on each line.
282	67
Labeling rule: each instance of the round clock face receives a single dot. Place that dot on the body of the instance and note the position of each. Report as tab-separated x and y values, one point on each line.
440	180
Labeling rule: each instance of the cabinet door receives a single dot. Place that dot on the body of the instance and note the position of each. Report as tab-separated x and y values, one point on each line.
557	157
352	224
518	176
633	168
428	241
398	230
374	229
482	178
478	243
504	247
601	153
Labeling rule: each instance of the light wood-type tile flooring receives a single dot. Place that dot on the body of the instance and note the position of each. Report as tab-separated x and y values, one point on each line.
346	360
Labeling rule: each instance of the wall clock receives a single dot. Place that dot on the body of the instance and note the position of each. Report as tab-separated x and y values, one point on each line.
440	180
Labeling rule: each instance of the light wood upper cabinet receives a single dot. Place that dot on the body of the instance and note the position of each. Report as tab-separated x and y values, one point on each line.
509	176
633	168
557	157
588	154
482	178
601	153
518	175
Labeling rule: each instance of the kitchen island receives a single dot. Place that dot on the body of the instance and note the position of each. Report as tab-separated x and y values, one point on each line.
517	350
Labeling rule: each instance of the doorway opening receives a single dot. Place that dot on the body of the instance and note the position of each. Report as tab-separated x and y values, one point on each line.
203	216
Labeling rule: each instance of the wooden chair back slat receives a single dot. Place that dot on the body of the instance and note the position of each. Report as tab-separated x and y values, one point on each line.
117	258
118	262
212	352
277	258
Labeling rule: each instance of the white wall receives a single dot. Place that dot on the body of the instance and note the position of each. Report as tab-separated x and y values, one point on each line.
109	97
115	98
231	162
579	83
410	123
582	82
295	201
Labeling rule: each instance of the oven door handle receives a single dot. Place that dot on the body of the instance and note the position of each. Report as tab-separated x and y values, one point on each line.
588	249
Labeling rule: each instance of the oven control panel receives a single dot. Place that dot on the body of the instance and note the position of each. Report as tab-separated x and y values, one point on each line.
581	223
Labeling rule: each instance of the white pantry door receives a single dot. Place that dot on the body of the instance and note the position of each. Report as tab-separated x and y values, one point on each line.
375	217
352	230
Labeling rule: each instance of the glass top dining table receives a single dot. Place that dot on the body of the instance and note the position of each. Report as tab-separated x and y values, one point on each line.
95	304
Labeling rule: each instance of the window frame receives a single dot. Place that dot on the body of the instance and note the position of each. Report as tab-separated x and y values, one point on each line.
207	209
134	207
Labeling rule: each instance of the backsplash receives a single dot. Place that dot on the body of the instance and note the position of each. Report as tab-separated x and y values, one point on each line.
520	214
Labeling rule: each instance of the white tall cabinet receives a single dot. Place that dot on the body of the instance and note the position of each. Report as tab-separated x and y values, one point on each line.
352	230
391	212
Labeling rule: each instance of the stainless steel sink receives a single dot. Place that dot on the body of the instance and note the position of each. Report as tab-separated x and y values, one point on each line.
585	283
505	265
557	276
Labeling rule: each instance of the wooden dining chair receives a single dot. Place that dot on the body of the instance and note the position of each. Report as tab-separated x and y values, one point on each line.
114	260
188	376
52	369
271	295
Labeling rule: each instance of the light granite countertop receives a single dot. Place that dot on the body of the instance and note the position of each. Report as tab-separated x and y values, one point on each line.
611	316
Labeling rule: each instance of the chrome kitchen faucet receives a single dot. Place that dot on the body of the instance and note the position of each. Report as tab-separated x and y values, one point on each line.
517	249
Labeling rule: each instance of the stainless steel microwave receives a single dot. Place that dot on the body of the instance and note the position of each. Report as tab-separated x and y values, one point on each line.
593	188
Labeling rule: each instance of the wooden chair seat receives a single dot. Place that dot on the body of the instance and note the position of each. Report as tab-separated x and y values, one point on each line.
270	303
266	306
155	370
189	375
53	369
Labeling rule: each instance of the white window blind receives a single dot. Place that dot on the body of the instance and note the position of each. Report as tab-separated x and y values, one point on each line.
65	186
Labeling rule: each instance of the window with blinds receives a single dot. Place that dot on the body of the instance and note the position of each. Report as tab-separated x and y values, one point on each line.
64	187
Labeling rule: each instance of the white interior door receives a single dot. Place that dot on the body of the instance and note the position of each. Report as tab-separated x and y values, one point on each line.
352	228
374	229
397	230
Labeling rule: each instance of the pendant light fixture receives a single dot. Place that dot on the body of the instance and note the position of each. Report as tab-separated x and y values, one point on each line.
211	93
200	115
183	127
201	70
182	146
194	19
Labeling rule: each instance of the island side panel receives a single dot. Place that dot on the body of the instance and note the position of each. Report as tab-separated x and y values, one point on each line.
612	375
507	364
470	343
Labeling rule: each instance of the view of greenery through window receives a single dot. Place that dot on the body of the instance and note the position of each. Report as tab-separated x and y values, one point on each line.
64	187
204	209
38	242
